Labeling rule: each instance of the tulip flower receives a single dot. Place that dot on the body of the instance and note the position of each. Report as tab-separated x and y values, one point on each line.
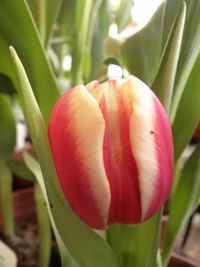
113	151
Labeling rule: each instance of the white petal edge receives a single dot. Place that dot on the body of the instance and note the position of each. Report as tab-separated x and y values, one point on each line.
142	140
89	128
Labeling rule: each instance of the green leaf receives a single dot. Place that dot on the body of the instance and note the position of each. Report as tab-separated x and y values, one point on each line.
164	81
19	168
34	167
188	113
6	85
17	28
45	13
85	245
189	51
7	127
140	54
183	201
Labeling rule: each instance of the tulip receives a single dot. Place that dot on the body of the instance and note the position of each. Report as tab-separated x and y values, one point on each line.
113	151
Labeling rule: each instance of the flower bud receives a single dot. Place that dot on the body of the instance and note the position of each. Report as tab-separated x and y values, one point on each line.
113	151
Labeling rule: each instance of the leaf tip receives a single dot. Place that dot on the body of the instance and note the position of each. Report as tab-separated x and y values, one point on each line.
14	55
12	51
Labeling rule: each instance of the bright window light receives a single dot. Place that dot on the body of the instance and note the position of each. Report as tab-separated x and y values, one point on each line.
113	30
125	73
114	71
143	10
67	63
115	4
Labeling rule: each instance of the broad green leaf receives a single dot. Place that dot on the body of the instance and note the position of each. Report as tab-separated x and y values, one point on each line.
6	85
189	51
140	54
19	168
18	29
7	127
183	201
45	13
85	245
124	14
188	113
164	81
136	245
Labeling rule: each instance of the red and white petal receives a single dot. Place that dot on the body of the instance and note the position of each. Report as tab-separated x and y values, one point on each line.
164	154
121	169
76	132
150	142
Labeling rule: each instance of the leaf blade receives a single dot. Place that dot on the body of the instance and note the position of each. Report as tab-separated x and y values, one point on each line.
183	201
86	246
21	32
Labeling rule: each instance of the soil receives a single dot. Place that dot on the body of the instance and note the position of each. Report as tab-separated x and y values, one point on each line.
25	243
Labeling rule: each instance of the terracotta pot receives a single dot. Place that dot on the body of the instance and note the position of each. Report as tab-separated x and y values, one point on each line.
23	204
178	260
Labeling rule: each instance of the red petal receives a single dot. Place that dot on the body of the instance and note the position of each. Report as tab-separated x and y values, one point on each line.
119	163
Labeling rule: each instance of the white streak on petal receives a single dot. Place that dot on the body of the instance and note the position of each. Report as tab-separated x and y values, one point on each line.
89	128
142	140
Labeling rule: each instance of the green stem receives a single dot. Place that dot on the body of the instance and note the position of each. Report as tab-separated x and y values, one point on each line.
113	237
6	199
170	239
44	229
159	259
155	245
42	19
80	45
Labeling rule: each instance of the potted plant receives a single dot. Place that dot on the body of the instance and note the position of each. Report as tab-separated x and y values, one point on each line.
80	189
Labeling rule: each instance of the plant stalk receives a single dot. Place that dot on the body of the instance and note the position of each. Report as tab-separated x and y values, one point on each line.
6	199
113	237
42	19
44	228
80	45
